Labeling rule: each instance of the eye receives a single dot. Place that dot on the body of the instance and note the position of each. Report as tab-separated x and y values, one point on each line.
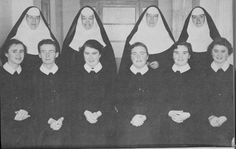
194	17
86	53
95	53
202	15
185	52
22	51
215	50
223	51
142	53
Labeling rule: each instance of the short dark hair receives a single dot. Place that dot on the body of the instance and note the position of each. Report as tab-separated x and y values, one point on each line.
221	41
49	41
186	44
137	44
92	44
11	42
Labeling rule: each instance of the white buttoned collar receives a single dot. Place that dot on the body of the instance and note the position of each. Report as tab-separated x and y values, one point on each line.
9	68
135	70
47	71
96	69
181	69
224	67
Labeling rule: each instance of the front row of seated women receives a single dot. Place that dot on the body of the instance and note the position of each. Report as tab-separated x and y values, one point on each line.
144	107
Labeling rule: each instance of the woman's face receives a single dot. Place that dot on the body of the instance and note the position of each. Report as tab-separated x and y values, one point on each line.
15	54
139	56
181	55
220	54
91	56
151	19
198	20
33	21
87	21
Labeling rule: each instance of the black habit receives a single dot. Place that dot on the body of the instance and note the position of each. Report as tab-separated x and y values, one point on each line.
51	100
15	95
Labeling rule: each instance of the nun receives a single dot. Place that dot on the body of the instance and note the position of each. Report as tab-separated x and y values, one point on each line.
86	25
199	30
137	102
219	112
152	30
92	108
30	29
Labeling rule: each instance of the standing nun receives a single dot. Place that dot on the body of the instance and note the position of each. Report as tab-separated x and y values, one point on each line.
152	30
30	29
199	30
86	25
89	57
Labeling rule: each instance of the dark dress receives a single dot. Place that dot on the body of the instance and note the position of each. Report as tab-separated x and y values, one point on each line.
138	94
219	101
50	101
182	92
200	60
92	92
14	95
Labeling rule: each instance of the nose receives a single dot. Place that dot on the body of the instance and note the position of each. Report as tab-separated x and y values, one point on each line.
138	56
47	54
33	20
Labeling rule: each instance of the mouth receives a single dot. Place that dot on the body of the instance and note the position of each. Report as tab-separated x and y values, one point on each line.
18	59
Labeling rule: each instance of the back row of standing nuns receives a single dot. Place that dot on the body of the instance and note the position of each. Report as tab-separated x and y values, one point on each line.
99	108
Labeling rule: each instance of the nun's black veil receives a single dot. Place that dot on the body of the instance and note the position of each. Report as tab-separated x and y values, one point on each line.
14	31
212	27
163	58
200	61
72	59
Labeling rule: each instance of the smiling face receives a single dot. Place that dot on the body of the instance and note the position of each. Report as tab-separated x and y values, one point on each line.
220	54
15	54
48	54
91	56
139	56
181	55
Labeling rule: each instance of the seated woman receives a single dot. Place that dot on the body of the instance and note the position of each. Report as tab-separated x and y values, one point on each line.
182	97
16	110
92	102
137	102
219	101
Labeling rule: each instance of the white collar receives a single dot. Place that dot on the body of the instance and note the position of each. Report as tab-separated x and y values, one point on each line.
9	69
96	69
46	71
181	69
135	70
224	67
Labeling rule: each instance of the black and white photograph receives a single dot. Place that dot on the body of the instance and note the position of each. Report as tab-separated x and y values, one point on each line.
117	74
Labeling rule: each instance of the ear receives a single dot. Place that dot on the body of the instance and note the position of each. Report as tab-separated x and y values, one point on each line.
6	54
57	54
40	56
